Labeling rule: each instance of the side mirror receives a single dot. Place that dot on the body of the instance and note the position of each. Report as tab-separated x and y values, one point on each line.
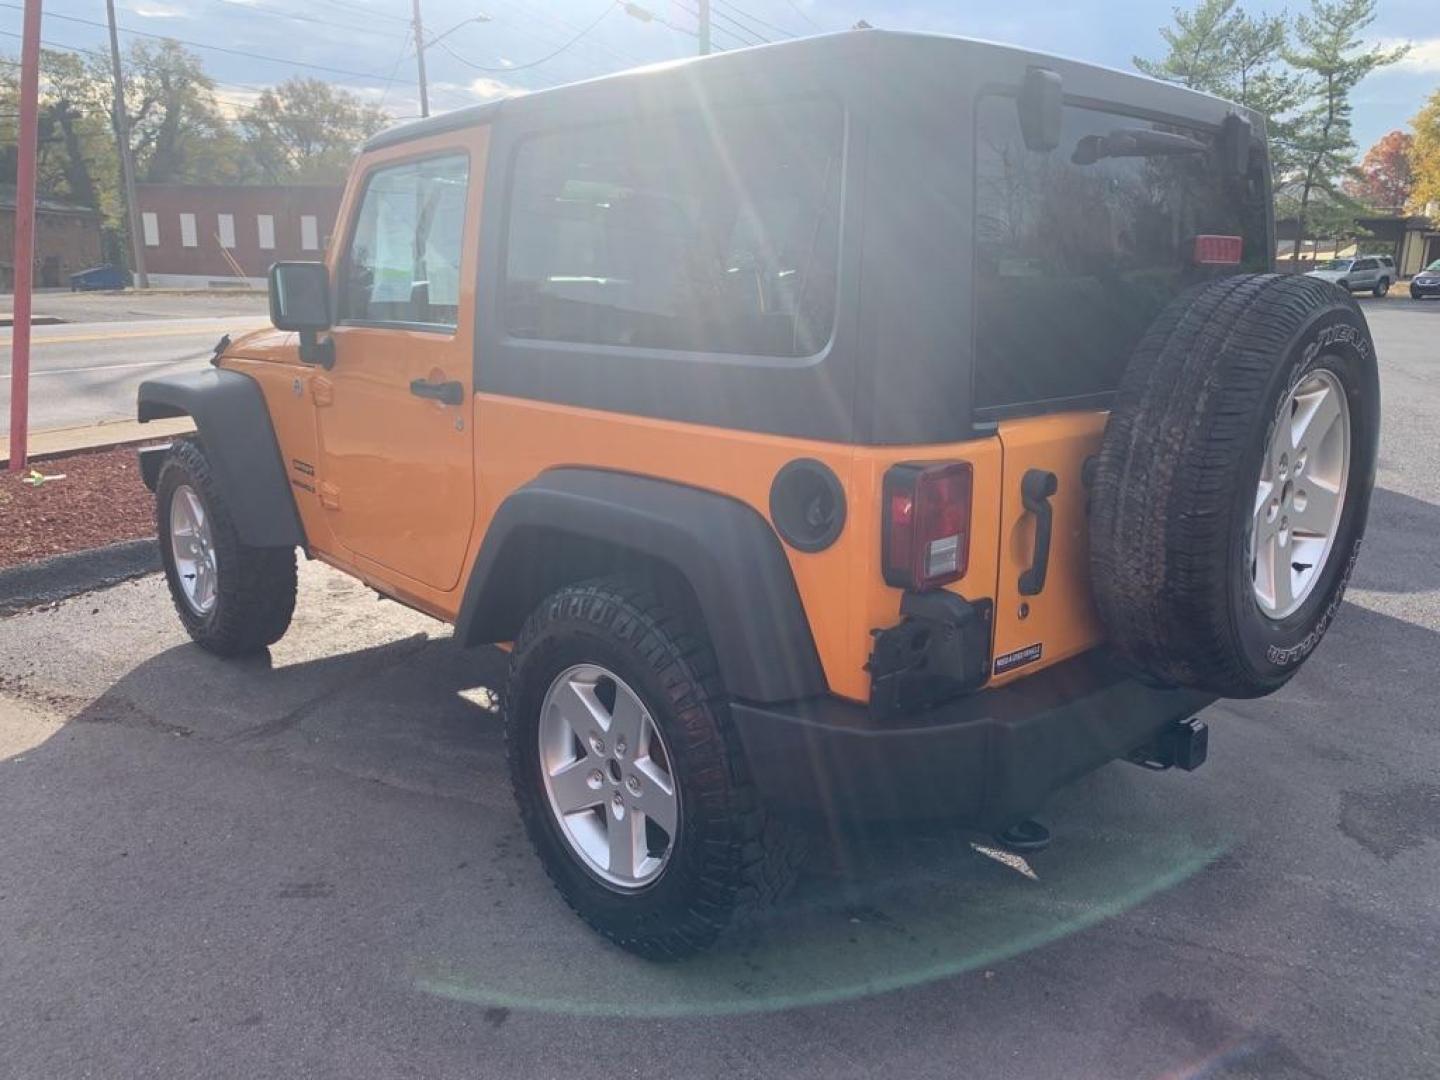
300	302
300	296
1039	103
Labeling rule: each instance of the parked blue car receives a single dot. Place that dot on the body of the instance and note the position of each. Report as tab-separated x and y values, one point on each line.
98	277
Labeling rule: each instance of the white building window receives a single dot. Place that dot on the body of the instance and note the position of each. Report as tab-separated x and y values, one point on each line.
309	233
187	231
266	225
150	226
225	225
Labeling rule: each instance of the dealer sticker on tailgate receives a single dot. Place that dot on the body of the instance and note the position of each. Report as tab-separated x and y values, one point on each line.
1018	658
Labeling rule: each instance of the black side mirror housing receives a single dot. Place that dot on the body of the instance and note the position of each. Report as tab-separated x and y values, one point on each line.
300	303
1039	103
300	296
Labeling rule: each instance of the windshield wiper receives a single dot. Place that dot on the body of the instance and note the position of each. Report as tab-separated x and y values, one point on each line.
1133	142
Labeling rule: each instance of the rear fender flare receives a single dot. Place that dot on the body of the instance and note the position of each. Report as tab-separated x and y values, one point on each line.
234	427
725	552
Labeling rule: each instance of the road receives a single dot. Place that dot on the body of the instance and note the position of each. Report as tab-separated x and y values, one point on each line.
310	865
82	373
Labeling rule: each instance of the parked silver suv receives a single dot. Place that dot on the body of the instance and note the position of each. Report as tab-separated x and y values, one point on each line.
1373	272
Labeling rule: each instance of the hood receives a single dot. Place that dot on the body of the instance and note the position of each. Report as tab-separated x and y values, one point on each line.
266	343
1428	276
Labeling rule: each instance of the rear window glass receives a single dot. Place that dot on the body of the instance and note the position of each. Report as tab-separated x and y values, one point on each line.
714	233
1076	254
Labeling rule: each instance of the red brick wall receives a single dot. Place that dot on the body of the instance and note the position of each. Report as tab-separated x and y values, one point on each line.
286	204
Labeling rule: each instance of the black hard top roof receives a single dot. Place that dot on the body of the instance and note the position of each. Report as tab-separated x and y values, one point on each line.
902	48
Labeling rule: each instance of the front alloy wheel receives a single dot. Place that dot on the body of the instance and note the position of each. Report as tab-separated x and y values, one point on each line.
193	550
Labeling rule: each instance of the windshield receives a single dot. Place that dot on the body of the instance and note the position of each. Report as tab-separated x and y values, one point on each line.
1336	264
1077	249
1435	266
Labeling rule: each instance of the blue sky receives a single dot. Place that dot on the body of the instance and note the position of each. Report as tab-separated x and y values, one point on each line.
366	39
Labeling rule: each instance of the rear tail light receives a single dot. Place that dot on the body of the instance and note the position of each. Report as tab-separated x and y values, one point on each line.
1215	250
925	540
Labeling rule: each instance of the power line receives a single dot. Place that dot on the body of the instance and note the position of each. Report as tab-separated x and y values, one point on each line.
376	76
755	19
357	10
801	12
533	63
569	28
744	42
277	13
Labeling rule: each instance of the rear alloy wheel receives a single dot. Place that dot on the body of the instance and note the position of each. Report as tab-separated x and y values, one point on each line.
608	776
629	777
1382	286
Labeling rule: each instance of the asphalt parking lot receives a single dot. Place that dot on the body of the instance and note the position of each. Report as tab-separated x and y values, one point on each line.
311	866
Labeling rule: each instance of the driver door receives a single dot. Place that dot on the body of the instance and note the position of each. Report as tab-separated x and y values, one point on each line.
394	415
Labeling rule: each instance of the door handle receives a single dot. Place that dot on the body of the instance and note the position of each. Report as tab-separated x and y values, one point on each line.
1035	491
447	393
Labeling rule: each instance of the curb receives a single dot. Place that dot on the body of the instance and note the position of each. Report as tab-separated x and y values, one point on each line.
63	576
107	435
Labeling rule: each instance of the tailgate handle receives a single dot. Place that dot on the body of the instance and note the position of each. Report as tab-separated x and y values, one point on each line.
1035	491
447	393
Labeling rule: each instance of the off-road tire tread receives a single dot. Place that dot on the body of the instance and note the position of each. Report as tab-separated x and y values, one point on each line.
753	856
257	587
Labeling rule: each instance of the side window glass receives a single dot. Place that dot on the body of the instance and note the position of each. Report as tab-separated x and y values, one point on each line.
403	265
714	233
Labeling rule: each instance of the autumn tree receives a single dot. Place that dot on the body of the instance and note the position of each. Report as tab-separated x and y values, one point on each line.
1384	178
307	130
1425	156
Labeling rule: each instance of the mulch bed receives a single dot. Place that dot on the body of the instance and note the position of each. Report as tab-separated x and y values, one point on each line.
101	500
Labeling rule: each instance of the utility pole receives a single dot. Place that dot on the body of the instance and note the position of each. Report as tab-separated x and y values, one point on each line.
703	12
27	152
127	165
420	60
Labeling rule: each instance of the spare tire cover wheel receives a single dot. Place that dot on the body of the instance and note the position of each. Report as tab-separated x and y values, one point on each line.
1234	482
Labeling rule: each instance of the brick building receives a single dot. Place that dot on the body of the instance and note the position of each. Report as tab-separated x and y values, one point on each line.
192	232
67	239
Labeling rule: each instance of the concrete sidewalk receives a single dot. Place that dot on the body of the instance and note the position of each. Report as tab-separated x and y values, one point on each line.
60	441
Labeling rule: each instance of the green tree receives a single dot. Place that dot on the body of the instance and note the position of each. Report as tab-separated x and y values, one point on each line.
1332	57
307	130
1197	54
1425	156
1221	49
178	133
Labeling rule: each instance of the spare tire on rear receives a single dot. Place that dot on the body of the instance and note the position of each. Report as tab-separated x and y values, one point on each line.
1233	483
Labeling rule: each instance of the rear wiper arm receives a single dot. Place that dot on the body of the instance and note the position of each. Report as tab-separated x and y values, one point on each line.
1133	142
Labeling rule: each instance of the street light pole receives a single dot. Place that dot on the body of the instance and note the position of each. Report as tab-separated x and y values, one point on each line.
420	60
127	163
27	152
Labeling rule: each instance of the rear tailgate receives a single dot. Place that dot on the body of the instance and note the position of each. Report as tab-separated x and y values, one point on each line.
1037	628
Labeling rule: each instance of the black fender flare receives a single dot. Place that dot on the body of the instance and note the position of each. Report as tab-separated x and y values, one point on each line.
724	550
234	427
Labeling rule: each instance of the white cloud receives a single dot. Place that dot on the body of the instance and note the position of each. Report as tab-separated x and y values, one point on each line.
1424	54
157	9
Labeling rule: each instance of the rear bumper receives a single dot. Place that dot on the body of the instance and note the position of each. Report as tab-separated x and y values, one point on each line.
989	759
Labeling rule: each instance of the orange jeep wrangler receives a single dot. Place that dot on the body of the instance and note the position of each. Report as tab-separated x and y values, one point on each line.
877	425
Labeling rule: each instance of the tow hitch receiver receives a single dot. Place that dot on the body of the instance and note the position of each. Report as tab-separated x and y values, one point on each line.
1184	744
